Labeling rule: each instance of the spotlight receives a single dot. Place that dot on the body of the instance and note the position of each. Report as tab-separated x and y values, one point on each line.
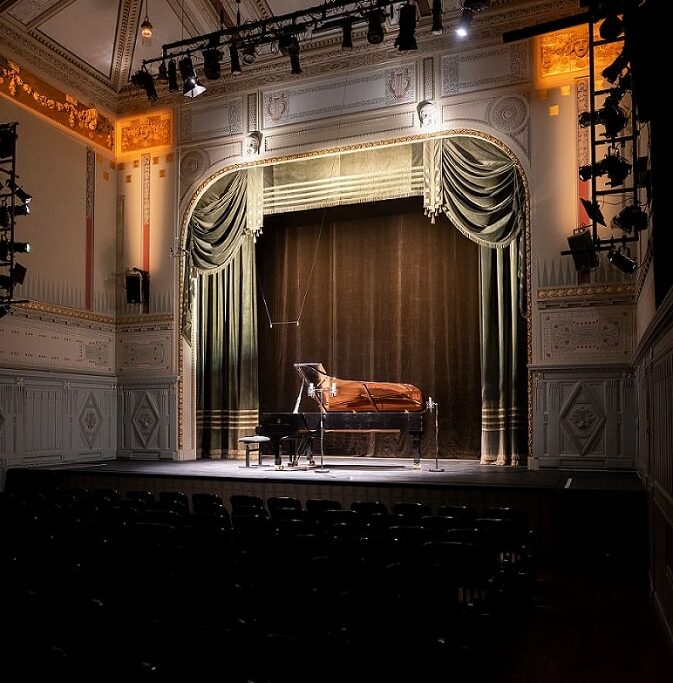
437	9
295	67
19	192
375	27
583	250
289	45
173	77
249	54
7	140
286	42
211	63
614	165
593	211
406	38
463	25
234	60
611	115
611	27
162	76
6	213
347	34
7	248
631	218
16	277
191	87
620	257
612	72
143	79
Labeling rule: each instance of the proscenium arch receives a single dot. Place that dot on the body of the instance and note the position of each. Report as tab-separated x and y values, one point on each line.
188	412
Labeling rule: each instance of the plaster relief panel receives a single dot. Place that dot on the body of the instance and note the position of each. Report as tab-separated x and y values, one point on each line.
144	351
600	334
145	420
56	344
482	69
90	420
375	89
582	418
342	134
215	120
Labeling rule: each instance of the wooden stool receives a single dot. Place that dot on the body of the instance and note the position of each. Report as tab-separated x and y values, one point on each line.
253	443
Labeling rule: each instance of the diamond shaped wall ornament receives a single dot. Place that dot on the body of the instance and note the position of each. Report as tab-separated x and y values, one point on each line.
90	420
145	419
582	418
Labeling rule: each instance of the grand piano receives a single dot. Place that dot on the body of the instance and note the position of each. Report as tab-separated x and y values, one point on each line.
344	405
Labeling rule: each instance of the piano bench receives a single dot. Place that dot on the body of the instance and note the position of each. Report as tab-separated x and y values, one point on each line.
253	444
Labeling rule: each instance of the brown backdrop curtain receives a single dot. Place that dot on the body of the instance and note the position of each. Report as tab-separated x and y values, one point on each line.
391	297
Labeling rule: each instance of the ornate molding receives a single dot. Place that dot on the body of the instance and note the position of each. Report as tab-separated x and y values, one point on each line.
61	108
587	292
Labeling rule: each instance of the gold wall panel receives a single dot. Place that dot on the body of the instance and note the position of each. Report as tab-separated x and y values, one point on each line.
140	133
563	56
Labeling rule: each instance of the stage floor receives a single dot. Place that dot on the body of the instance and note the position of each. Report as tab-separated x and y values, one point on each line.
365	470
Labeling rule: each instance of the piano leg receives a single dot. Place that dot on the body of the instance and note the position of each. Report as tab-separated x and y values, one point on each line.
416	447
275	445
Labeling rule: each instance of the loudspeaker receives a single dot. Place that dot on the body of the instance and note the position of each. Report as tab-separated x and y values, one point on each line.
137	286
583	251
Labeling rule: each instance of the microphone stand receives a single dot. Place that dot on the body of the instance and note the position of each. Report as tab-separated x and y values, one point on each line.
432	407
320	392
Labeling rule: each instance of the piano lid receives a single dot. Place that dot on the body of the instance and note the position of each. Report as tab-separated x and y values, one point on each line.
335	394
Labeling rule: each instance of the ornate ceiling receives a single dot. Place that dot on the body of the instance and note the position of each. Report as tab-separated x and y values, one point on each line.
90	48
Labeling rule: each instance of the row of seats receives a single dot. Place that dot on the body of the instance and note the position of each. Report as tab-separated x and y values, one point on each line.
98	577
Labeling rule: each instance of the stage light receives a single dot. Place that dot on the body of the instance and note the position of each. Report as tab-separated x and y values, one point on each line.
375	27
620	257
162	76
614	165
7	248
437	10
347	35
211	63
593	211
6	213
611	27
406	38
631	218
612	72
289	45
235	62
143	79
173	76
463	25
19	192
249	54
191	86
7	140
16	277
611	115
583	250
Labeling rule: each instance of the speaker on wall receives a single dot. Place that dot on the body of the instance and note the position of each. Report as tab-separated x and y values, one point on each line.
137	286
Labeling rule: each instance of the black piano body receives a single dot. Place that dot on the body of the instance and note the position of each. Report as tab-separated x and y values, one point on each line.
300	428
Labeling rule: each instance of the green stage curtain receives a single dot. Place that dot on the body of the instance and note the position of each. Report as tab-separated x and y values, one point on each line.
223	255
483	197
